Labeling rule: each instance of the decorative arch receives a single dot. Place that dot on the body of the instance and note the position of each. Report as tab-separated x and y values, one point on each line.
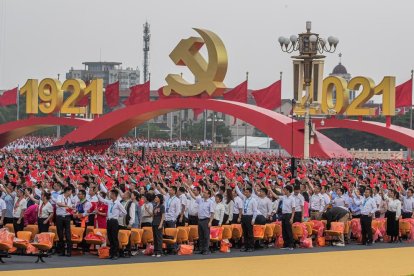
277	126
398	134
17	129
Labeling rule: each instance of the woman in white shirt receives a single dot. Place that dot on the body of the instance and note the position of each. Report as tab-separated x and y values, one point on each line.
218	211
44	213
147	210
228	207
393	215
20	205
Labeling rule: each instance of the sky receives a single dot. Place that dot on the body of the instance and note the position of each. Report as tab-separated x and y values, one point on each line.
43	38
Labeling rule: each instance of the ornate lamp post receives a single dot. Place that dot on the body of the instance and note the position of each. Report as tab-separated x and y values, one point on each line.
310	46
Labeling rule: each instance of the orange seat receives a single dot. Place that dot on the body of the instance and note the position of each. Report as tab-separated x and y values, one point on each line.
269	229
309	226
77	234
123	238
147	235
53	229
10	227
237	232
136	236
405	228
24	239
98	231
5	246
89	229
227	232
297	232
259	232
43	247
193	233
220	235
32	228
277	232
336	231
171	232
182	236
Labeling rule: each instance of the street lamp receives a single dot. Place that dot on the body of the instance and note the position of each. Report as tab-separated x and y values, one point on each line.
310	46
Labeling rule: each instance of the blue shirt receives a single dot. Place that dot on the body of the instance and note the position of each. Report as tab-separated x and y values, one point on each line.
205	208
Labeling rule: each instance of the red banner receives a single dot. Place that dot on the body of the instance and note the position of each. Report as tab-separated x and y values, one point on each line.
269	97
112	94
9	97
139	94
404	94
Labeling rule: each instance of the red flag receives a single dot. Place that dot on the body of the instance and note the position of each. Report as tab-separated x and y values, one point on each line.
139	94
9	97
237	94
112	94
269	97
404	94
84	101
378	111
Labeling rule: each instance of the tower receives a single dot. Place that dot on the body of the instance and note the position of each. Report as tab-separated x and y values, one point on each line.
146	49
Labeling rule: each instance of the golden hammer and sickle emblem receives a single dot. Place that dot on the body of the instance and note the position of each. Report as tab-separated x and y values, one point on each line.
209	76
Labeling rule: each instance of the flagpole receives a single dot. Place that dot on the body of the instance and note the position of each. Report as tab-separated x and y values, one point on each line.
409	152
245	124
280	111
18	103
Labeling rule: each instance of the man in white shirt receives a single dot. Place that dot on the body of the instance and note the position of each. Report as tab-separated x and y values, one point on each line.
317	204
2	211
64	209
408	204
299	204
248	218
182	218
237	208
193	206
264	206
368	209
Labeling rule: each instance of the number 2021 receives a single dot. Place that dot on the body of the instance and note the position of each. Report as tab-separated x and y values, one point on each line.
341	105
50	92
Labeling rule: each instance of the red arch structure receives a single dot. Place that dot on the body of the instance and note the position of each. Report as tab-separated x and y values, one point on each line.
16	129
398	134
117	123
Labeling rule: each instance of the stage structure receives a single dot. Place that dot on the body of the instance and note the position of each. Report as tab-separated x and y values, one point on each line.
47	97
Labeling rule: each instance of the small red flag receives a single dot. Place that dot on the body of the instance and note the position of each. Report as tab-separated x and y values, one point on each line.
237	94
112	94
9	97
139	94
404	94
269	97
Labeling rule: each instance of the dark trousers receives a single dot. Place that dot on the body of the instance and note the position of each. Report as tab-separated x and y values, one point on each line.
112	231
193	220
260	220
406	215
63	227
183	221
235	218
146	224
18	226
377	214
157	239
42	227
7	221
203	234
287	230
247	227
297	217
366	229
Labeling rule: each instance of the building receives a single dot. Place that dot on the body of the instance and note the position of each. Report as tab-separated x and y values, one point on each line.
340	71
110	72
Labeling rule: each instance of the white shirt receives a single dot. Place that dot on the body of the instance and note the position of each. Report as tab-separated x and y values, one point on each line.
184	204
145	216
44	210
193	206
368	207
238	204
19	207
408	204
317	203
172	208
299	202
122	220
394	205
2	206
264	206
219	212
339	201
288	203
61	211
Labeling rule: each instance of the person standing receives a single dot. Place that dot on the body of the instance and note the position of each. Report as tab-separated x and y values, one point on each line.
3	210
248	218
64	210
20	205
157	224
8	196
45	213
205	219
193	206
101	212
408	204
237	208
317	204
368	209
288	213
299	204
146	210
115	212
393	215
182	218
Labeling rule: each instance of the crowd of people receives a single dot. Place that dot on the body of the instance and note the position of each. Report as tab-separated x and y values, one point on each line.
131	142
119	189
31	142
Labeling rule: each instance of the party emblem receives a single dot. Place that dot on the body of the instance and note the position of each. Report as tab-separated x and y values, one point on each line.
209	75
